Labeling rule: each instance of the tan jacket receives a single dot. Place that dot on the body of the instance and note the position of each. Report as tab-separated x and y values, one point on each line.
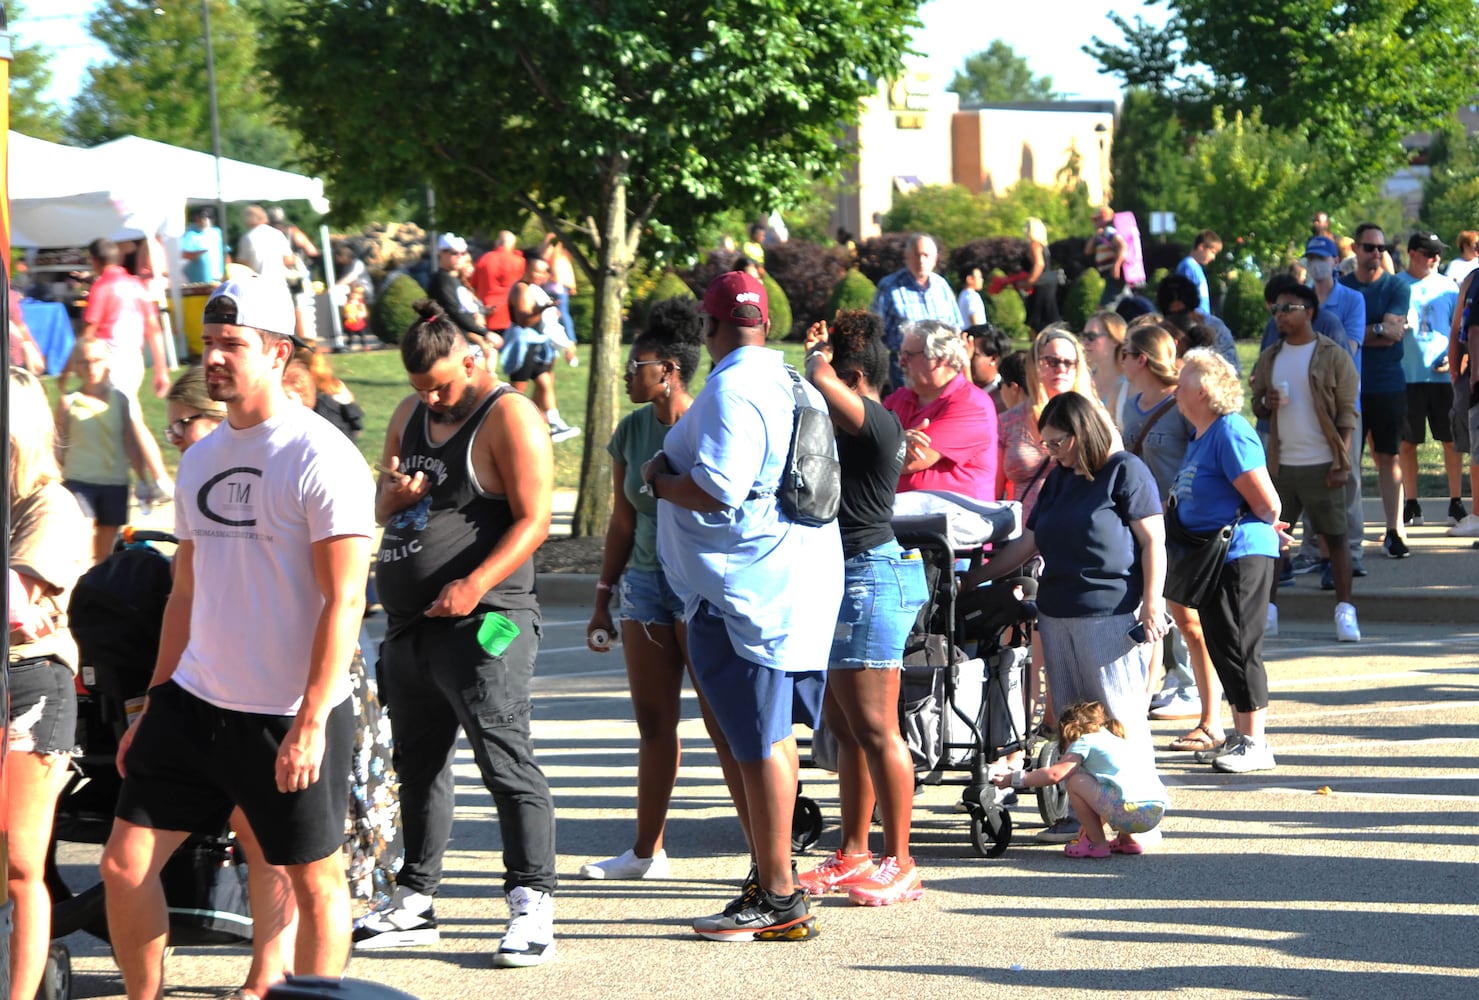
1335	386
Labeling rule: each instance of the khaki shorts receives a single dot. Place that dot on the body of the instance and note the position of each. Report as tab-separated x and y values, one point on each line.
1302	490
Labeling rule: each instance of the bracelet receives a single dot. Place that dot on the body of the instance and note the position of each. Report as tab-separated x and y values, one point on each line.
602	585
1017	779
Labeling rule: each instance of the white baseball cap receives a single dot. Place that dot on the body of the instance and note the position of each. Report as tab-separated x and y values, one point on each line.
263	304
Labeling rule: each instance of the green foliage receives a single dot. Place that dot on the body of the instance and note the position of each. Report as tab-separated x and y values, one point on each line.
780	309
1451	192
949	212
1064	210
669	286
956	216
997	74
854	291
1007	311
1149	161
154	85
583	311
391	315
1082	300
1242	308
30	112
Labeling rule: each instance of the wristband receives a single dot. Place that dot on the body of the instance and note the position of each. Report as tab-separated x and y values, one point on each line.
1017	778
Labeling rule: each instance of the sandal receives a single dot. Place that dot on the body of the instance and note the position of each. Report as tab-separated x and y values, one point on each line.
1083	847
1198	739
1122	846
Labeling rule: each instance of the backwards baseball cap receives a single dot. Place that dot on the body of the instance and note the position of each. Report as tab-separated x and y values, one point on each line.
452	242
1321	246
261	303
1426	242
730	292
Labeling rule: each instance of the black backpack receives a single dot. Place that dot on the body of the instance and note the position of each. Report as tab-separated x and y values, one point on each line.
811	483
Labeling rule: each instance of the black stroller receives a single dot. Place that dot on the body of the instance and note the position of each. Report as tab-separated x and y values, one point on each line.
115	614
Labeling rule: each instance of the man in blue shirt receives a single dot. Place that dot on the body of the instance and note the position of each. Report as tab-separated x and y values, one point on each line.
760	592
202	249
1206	247
913	293
1383	386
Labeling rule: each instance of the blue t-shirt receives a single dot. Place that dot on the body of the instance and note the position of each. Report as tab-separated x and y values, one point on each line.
1429	318
1381	367
1206	498
1091	565
1189	268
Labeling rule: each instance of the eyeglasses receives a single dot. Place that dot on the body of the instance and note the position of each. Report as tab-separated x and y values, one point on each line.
1373	247
1053	444
1062	364
907	356
1090	337
1289	307
1133	354
634	366
176	428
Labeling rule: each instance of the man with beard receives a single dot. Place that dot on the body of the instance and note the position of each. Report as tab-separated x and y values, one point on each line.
464	495
250	703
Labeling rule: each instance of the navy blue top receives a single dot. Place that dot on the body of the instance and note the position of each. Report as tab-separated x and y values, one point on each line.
1381	367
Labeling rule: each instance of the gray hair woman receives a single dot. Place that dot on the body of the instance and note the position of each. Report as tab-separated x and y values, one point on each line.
949	424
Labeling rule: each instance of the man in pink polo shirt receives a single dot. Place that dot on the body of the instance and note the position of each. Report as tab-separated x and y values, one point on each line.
120	312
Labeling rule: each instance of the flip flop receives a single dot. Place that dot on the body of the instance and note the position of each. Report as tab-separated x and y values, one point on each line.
1197	739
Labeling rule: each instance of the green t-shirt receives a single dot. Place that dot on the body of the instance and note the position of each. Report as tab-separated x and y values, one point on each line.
638	437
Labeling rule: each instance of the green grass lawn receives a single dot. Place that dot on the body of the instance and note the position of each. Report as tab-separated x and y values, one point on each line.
379	382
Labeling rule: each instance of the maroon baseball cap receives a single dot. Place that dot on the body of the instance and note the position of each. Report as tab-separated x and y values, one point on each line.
731	290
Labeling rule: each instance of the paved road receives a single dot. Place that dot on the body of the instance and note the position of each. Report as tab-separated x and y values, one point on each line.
1348	872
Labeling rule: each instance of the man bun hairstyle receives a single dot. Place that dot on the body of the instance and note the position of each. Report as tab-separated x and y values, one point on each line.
430	338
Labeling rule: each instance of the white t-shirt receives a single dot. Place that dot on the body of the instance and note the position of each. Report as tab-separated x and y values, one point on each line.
1301	442
262	249
1458	268
253	501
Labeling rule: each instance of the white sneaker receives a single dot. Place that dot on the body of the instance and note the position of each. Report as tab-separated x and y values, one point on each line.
1248	755
1467	528
1346	628
628	866
530	938
1271	624
563	432
406	921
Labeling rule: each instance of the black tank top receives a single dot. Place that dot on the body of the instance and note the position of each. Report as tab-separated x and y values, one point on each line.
446	535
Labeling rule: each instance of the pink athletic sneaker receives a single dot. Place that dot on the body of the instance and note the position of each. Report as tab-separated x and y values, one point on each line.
894	882
836	874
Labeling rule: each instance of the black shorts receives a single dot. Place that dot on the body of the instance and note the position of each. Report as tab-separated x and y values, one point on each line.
191	761
1383	414
1430	402
530	368
106	505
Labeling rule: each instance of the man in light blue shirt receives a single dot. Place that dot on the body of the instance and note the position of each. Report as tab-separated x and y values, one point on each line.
1432	300
760	592
914	293
1193	266
202	248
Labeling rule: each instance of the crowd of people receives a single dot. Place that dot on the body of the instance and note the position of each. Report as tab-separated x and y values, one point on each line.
1155	517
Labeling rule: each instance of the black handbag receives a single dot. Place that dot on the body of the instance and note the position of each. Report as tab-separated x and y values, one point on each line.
1194	559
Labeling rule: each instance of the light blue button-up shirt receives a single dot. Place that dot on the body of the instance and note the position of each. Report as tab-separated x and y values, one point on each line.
777	584
900	300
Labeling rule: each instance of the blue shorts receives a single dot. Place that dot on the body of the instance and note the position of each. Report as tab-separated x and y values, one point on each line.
106	505
647	599
755	706
882	592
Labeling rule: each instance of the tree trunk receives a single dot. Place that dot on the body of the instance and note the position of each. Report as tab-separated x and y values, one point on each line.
613	267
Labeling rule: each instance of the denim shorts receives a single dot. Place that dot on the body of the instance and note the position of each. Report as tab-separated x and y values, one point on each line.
882	592
43	707
1126	817
646	598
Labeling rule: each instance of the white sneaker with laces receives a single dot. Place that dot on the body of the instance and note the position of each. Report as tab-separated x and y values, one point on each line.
627	866
1467	528
1248	755
405	921
1346	627
1271	624
530	938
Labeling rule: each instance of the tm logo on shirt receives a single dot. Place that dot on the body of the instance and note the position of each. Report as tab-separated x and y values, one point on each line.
226	498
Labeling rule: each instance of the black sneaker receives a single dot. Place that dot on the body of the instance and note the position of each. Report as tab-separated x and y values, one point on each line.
1396	548
764	916
1412	513
1456	511
1286	573
398	923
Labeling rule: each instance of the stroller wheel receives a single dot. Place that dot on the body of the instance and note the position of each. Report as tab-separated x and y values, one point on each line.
1052	801
56	980
991	832
806	824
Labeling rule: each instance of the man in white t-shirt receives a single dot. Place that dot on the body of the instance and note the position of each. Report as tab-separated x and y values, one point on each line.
1306	386
249	703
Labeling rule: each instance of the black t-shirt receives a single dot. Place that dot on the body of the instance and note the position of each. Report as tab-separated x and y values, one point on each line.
871	461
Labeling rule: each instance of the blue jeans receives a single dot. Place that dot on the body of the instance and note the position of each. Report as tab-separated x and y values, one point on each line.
434	679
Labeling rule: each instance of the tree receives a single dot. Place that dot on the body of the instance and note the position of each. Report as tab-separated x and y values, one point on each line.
155	84
997	74
1451	192
30	113
601	118
1149	160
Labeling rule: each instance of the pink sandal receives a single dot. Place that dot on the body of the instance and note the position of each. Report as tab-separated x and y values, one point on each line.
1122	846
1083	847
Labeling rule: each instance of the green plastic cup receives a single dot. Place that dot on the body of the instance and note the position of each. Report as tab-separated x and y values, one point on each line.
496	632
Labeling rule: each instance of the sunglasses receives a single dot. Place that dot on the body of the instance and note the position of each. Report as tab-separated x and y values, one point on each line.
1062	364
1289	307
1373	247
634	366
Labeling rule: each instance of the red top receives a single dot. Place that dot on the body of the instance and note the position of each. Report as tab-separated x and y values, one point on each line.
493	277
962	429
120	305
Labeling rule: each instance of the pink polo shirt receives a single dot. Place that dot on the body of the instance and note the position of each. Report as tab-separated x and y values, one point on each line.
120	305
962	429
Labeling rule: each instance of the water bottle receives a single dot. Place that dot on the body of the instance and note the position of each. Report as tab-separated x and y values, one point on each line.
145	495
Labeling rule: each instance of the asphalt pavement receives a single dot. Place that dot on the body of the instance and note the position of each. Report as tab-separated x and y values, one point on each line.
1352	870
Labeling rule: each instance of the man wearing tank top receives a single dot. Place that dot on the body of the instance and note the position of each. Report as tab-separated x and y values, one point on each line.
464	496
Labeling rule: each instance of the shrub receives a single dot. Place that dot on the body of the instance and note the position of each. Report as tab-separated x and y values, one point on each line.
854	291
392	314
669	286
1162	256
807	273
1243	310
583	311
951	213
1007	254
780	308
1008	312
1068	256
714	265
880	256
1082	300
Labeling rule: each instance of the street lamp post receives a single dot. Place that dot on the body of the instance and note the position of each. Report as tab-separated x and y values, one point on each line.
210	79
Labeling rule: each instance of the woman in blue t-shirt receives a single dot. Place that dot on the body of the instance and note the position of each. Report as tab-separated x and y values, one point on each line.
1098	526
1225	478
